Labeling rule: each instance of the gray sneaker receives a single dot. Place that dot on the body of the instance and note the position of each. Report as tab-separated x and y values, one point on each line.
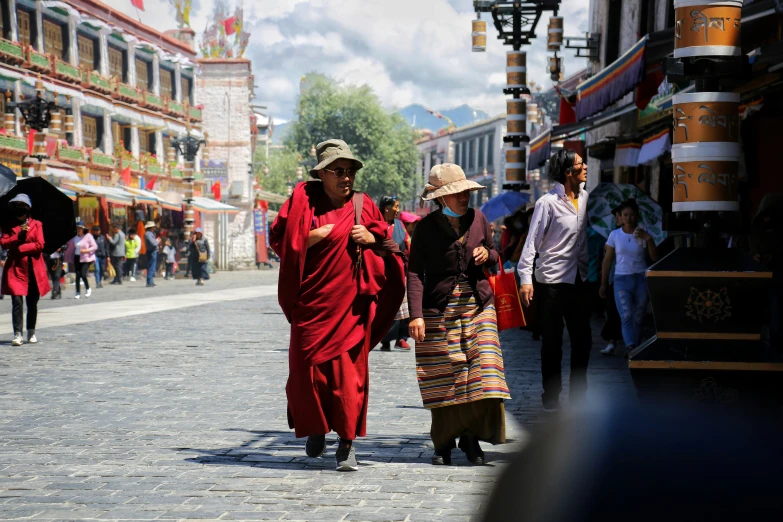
346	456
316	446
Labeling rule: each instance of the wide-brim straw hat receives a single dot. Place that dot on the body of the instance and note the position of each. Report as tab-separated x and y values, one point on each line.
446	179
330	151
150	224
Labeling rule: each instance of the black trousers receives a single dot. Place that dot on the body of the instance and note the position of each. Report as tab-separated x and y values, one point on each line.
81	269
116	262
558	303
17	306
55	273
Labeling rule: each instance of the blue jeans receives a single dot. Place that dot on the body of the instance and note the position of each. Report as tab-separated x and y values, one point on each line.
152	265
630	294
99	265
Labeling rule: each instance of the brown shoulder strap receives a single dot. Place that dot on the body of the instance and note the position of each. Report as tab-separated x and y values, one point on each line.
358	203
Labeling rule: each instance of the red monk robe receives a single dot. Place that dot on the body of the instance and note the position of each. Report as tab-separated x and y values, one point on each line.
335	319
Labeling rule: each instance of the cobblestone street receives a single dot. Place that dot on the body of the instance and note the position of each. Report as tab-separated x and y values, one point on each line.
179	414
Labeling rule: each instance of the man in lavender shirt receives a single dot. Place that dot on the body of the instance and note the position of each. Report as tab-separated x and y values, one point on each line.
558	234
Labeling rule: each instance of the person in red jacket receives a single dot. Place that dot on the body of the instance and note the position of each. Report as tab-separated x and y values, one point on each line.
25	272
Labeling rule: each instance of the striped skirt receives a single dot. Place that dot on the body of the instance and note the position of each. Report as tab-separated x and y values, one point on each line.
460	360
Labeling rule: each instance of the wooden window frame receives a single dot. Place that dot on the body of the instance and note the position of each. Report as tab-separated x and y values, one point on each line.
123	55
94	62
169	93
53	28
143	84
28	37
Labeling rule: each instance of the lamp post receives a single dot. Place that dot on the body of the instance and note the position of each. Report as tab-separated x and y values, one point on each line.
188	146
37	114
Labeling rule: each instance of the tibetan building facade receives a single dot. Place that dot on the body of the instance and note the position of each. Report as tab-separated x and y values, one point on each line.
122	90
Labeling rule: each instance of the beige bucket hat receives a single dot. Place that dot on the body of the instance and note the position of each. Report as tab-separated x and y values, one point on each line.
330	151
150	224
446	179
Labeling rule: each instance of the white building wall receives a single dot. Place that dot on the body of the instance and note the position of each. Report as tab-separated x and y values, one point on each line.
223	89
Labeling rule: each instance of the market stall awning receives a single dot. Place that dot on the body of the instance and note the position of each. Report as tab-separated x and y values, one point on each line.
210	206
112	194
611	84
540	147
655	146
627	154
142	196
70	193
569	130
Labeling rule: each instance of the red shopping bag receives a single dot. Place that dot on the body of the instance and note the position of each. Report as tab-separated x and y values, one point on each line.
507	303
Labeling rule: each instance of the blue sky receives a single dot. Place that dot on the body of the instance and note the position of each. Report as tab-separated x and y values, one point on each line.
408	51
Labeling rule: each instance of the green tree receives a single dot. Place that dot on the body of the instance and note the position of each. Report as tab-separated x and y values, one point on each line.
282	165
383	142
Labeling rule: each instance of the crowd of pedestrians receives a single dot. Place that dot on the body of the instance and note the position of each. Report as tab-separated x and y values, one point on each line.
353	275
28	274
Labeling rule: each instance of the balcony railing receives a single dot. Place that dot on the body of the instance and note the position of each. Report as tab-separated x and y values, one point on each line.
175	108
11	51
176	172
153	101
66	71
37	61
99	158
127	92
195	114
16	143
67	155
94	80
198	175
153	167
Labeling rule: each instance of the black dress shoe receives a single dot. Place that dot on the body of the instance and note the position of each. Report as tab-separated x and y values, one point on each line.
470	445
315	446
442	457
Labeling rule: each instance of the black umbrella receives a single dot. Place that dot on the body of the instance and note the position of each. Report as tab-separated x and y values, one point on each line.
50	206
7	179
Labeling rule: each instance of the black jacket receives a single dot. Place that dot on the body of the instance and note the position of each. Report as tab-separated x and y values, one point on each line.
103	248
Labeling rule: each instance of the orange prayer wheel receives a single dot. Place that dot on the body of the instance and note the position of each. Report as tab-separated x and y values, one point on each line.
515	155
516	69
55	123
707	28
532	112
705	177
479	36
555	33
516	107
706	117
516	126
9	123
513	174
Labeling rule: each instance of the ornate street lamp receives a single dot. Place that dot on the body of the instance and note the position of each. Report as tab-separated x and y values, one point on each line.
37	114
188	146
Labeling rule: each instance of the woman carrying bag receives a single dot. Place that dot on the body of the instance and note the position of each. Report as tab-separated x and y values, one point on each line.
25	277
199	255
459	364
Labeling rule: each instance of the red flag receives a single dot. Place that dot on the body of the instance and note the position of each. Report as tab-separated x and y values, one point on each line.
216	190
151	183
229	25
125	175
138	4
30	141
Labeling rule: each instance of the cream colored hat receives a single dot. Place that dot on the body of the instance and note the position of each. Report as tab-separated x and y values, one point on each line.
446	179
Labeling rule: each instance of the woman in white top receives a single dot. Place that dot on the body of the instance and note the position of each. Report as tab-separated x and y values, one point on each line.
627	246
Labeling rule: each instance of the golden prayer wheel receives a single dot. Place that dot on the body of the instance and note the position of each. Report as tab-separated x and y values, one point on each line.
55	124
515	155
479	36
39	144
515	164
555	33
515	174
516	125
9	123
516	69
171	155
705	177
69	123
532	113
516	107
706	117
707	28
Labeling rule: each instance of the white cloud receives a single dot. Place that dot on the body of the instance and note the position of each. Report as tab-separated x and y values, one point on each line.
406	50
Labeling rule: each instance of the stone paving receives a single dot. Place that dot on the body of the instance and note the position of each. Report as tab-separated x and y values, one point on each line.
180	415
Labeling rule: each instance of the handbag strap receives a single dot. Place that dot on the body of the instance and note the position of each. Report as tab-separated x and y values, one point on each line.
358	203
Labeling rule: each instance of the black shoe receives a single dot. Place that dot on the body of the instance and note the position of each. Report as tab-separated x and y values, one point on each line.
385	346
470	445
346	456
98	286
315	446
153	285
442	457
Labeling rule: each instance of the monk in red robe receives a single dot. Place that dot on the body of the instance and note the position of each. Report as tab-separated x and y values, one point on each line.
341	284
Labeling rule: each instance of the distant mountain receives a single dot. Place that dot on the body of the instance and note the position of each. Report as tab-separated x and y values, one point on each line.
416	115
421	118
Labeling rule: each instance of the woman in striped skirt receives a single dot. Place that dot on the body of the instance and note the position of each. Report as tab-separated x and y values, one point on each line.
458	359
